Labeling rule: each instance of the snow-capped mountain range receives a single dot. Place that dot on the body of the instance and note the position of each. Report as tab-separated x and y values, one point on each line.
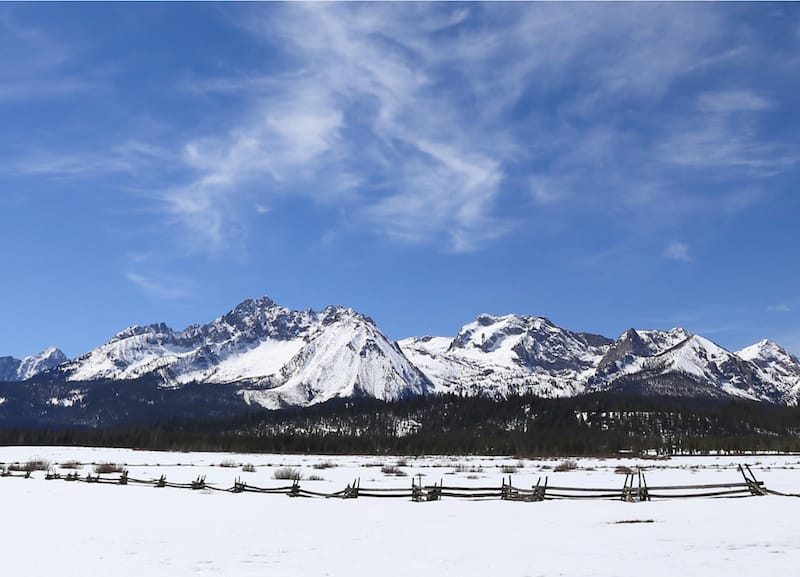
270	356
520	354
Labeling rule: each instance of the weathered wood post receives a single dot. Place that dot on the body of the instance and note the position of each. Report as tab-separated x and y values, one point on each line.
753	484
644	490
539	489
639	486
417	494
435	493
351	491
625	487
295	490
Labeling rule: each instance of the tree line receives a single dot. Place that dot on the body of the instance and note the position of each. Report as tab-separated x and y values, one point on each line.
597	424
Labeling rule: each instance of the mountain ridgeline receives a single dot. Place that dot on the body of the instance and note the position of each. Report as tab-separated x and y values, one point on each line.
264	356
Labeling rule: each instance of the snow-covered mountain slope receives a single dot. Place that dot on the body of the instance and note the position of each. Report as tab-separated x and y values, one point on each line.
12	369
35	364
498	356
347	356
638	344
276	355
679	364
777	366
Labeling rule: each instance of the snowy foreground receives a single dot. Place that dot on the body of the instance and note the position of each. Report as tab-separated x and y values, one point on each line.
60	528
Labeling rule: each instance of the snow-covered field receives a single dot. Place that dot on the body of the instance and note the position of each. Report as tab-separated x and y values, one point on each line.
60	528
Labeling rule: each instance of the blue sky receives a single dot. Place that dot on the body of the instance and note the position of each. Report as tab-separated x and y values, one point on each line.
604	165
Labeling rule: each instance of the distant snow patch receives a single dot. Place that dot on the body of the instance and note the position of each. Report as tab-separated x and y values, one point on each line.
74	396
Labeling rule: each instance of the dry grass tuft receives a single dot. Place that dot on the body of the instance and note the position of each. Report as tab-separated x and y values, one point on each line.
100	468
287	474
565	466
30	466
393	470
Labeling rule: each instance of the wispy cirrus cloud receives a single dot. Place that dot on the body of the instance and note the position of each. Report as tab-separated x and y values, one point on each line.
724	133
426	122
408	109
130	156
728	101
160	286
283	144
38	65
357	120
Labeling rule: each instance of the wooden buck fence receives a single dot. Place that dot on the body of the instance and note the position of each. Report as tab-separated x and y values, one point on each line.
634	488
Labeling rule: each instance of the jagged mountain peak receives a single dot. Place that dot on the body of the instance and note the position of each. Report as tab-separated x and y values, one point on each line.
637	343
255	304
333	313
775	365
501	355
32	365
486	319
140	330
764	349
249	309
274	355
658	341
12	369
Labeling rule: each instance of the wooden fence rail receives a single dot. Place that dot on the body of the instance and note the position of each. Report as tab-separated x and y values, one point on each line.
634	488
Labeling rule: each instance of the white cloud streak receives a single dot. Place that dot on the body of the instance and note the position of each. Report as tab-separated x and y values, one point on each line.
131	156
732	101
677	251
159	286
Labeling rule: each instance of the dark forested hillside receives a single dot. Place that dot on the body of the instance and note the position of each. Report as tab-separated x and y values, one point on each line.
526	426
